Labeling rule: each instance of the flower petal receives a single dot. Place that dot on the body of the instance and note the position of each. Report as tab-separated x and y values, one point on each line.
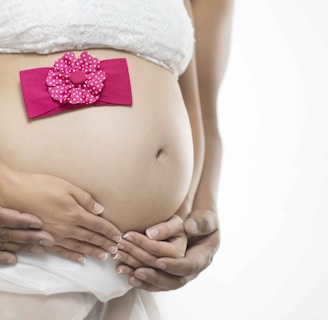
54	78
87	63
99	75
76	96
66	64
94	86
60	93
81	95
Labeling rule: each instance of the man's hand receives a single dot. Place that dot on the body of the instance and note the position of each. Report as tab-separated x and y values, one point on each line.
20	232
162	273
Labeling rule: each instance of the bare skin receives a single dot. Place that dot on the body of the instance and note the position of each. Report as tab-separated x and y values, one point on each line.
158	271
140	181
212	23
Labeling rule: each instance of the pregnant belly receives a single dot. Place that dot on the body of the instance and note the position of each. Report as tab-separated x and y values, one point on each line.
136	161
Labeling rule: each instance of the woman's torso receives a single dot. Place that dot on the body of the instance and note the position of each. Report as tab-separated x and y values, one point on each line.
136	161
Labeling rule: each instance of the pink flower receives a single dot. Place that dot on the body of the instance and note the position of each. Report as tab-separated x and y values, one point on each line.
76	80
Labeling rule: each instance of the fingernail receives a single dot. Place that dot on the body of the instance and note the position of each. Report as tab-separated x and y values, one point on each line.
117	238
117	256
82	260
103	256
120	246
35	225
161	265
37	249
46	242
113	250
98	208
152	233
128	237
191	224
120	271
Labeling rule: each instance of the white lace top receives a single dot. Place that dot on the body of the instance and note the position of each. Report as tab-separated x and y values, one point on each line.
157	30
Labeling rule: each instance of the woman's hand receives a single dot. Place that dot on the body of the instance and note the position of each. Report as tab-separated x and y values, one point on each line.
137	250
168	273
20	232
67	212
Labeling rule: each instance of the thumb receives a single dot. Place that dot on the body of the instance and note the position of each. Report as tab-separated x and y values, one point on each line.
86	201
201	222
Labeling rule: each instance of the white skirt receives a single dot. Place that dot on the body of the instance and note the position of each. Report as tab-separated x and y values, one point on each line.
49	274
49	287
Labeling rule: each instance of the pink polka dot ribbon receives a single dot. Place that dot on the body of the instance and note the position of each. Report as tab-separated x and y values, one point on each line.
75	83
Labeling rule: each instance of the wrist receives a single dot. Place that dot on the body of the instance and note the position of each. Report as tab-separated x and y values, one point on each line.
205	202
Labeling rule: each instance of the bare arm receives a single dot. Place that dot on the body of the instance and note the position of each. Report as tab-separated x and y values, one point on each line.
212	20
190	91
200	85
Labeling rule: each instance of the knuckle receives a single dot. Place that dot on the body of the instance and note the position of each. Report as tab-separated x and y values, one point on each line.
87	199
77	246
182	281
2	221
2	246
99	226
30	239
73	216
73	245
92	237
21	225
56	250
204	224
102	243
192	268
153	248
4	235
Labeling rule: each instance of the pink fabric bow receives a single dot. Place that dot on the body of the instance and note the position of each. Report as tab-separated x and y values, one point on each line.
75	83
76	80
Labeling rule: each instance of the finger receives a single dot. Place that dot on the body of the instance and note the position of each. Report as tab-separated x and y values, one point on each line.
86	201
198	257
93	238
100	225
7	258
16	247
154	280
81	234
134	256
26	237
13	219
67	254
174	248
126	258
201	223
166	229
83	248
124	270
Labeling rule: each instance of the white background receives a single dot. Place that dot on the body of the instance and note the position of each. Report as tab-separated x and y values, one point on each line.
273	197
